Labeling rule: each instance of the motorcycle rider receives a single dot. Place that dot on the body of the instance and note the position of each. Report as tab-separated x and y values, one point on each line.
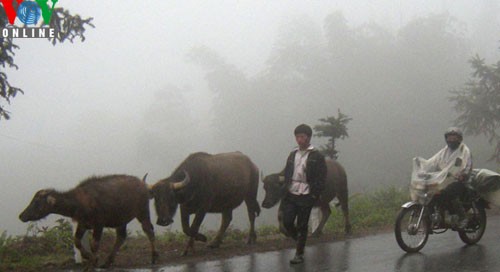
458	154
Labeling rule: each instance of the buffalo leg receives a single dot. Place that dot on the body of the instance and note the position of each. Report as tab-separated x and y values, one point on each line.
147	227
121	235
185	223
325	214
94	246
253	210
344	205
80	231
280	220
227	216
187	229
193	231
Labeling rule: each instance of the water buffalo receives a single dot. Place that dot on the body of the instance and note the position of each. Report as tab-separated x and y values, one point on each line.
98	202
335	186
205	183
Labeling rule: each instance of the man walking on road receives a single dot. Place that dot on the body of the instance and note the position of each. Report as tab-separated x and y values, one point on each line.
305	174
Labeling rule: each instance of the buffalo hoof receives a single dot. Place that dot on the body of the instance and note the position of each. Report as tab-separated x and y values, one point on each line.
92	262
154	257
316	234
284	231
200	237
252	239
105	265
88	267
214	244
186	251
190	245
348	230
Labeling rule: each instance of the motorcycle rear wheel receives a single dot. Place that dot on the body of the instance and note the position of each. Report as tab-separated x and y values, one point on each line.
409	237
476	227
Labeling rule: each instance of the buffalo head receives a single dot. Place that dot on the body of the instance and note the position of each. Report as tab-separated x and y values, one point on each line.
40	206
164	194
275	188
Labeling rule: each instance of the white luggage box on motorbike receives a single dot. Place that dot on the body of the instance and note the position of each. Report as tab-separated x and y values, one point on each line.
487	184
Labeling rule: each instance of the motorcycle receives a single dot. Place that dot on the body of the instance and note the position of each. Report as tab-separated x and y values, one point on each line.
427	212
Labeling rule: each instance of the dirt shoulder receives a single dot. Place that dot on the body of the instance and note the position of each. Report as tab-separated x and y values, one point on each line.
136	251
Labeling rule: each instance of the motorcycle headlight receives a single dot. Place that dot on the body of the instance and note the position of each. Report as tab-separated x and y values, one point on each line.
420	196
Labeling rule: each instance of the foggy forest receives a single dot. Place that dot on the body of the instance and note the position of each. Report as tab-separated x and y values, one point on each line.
127	100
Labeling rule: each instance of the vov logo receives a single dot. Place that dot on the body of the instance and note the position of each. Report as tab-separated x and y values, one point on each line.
29	12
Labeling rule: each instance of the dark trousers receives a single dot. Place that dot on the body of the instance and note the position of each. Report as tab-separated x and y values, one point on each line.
297	207
452	195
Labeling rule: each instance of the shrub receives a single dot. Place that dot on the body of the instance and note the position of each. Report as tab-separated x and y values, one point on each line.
233	234
171	236
267	230
39	247
371	211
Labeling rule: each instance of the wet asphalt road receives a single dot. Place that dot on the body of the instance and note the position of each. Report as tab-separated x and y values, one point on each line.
443	252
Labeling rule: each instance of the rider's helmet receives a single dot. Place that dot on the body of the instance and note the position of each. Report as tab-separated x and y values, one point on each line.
454	142
453	131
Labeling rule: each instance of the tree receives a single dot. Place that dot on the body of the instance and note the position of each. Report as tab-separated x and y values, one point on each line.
67	27
334	128
232	95
478	103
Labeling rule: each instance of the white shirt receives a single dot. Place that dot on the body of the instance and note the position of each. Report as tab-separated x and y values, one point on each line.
299	184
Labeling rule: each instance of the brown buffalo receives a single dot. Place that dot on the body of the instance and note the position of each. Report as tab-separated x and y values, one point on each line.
335	186
205	183
98	202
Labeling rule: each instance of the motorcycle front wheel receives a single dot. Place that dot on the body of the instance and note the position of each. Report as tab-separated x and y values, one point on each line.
410	237
475	228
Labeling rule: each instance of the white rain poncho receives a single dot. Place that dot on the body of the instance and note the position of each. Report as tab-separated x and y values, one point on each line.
443	168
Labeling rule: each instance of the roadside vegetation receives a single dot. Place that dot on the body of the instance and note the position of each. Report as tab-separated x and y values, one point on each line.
42	249
370	212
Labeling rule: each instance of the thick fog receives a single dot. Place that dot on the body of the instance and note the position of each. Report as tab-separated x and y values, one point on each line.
154	82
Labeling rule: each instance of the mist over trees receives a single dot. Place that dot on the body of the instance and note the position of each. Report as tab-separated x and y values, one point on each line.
478	103
394	84
162	138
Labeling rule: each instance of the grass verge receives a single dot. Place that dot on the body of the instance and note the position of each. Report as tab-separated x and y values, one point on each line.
43	249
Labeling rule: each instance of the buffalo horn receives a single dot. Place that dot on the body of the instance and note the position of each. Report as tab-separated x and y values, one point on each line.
181	184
